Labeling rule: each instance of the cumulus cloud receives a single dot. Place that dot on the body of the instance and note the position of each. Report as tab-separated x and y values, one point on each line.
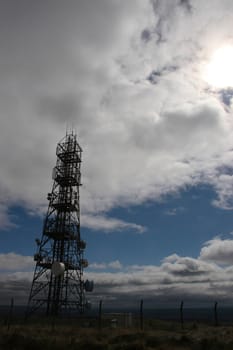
186	266
218	250
197	280
128	76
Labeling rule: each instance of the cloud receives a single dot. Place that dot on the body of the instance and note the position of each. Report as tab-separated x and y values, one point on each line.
88	64
16	262
186	266
116	265
15	285
97	266
195	280
218	250
108	224
6	220
224	186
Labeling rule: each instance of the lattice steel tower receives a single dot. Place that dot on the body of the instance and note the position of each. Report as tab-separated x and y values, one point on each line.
58	278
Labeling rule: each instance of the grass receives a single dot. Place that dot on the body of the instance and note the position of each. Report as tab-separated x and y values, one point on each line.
156	335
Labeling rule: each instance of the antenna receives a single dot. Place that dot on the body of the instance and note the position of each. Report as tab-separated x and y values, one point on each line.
70	129
58	283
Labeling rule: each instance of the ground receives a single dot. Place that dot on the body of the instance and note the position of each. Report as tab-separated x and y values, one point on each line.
89	336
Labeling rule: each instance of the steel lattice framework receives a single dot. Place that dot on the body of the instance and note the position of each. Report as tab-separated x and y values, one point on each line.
58	278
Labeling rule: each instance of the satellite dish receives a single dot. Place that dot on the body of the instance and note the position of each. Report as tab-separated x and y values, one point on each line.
58	268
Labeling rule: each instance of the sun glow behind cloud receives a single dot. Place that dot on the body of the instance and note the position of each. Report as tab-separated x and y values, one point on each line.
219	71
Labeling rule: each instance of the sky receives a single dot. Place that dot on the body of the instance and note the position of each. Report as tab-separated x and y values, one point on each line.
147	85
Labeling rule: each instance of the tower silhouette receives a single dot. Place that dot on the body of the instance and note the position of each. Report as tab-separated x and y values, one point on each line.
58	283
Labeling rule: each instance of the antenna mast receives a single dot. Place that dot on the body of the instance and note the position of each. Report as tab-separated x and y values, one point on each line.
58	278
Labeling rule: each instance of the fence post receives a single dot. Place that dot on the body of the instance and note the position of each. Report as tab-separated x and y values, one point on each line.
9	319
181	314
100	314
141	315
216	313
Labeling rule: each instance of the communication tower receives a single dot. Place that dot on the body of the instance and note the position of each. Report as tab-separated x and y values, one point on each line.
58	283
